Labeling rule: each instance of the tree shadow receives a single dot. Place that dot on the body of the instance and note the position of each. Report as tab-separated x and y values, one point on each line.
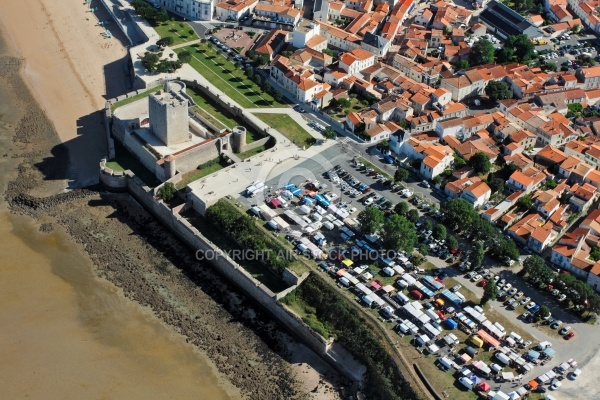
236	79
244	87
263	103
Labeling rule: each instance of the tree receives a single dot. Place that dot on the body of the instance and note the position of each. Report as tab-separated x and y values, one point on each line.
452	242
544	311
462	64
595	253
398	234
412	215
497	185
459	162
400	175
550	66
476	256
329	133
524	49
460	213
502	248
164	42
439	232
277	95
490	291
505	55
427	224
185	56
498	90
266	86
575	110
536	271
150	61
526	202
482	52
480	162
334	104
401	208
344	103
522	6
576	28
167	191
370	220
424	249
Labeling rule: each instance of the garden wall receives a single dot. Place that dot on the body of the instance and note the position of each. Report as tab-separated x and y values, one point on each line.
235	273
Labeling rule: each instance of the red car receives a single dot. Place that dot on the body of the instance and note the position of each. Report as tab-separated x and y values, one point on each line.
483	282
569	335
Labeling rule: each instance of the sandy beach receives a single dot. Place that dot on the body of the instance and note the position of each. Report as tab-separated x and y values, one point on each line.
64	53
95	297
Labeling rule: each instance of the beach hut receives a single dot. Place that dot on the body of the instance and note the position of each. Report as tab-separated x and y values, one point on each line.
450	323
549	352
484	387
348	263
533	384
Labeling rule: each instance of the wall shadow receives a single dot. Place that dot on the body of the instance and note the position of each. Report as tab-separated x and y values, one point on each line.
77	160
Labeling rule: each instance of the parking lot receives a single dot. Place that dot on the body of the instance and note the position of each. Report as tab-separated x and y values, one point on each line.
376	283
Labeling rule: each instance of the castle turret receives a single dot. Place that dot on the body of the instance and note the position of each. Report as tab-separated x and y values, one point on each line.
168	116
238	139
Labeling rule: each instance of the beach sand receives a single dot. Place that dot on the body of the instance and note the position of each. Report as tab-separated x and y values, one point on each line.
67	333
64	54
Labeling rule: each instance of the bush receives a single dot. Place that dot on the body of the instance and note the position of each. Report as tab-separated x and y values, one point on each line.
167	191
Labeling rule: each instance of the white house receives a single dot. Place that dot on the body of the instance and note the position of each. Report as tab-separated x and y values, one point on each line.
356	60
477	194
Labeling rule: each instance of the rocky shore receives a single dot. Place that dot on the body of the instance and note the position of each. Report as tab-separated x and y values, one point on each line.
130	249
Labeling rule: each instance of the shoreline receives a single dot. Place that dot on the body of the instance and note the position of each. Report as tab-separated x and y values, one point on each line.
165	290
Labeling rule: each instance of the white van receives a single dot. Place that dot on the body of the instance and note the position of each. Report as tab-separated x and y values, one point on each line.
543	346
433	315
255	210
503	358
273	225
344	281
402	298
444	362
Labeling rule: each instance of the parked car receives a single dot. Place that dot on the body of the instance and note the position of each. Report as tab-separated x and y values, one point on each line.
530	306
425	184
562	297
555	324
565	330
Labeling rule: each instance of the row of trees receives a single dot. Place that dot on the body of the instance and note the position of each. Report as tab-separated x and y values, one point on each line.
462	217
242	229
383	379
149	12
152	62
516	48
536	272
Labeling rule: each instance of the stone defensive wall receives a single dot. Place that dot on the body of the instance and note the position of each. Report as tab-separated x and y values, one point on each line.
171	219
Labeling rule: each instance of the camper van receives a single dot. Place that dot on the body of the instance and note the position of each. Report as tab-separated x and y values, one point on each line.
503	358
476	341
433	315
402	298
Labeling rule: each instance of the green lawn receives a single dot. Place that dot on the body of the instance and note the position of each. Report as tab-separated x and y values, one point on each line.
124	160
196	174
221	115
250	153
180	31
288	127
229	79
140	96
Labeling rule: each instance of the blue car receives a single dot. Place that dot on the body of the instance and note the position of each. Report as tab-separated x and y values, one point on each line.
535	309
